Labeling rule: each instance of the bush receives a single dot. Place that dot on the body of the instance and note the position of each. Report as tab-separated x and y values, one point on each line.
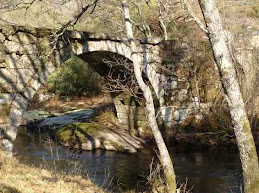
75	78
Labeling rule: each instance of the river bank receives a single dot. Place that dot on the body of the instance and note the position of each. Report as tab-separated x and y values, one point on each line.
57	113
18	177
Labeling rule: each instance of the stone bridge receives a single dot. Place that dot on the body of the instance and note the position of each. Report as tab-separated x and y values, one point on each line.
29	55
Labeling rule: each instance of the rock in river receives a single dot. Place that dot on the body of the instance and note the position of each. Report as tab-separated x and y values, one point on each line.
89	136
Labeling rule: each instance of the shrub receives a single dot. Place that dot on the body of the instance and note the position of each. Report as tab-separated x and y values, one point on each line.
75	78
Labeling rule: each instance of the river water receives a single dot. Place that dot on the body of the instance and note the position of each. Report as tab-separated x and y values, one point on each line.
207	170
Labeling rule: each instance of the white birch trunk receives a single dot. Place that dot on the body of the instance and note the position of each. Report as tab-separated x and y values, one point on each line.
137	62
225	64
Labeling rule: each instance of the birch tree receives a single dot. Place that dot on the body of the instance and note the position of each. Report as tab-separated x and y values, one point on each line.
137	63
220	40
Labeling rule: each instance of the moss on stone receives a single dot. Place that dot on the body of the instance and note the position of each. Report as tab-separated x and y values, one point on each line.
78	132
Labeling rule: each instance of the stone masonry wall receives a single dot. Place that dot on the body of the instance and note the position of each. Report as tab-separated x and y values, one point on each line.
29	55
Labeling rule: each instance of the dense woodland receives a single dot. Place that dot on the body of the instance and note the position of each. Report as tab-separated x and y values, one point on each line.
216	49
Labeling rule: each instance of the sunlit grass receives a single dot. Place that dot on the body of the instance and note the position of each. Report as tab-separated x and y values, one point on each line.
18	177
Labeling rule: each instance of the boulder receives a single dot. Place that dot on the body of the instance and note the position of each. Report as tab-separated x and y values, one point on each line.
31	116
89	136
45	120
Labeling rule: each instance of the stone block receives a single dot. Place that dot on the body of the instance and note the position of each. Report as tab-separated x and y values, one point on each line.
122	116
6	87
14	61
10	60
11	132
121	108
15	117
24	75
2	38
11	46
183	92
11	87
3	65
29	92
7	76
8	30
20	102
176	116
6	98
16	47
130	109
2	57
124	121
170	85
78	48
166	111
49	68
36	83
23	38
16	87
27	61
8	147
117	101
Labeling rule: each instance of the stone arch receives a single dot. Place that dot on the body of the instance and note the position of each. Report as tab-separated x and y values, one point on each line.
35	70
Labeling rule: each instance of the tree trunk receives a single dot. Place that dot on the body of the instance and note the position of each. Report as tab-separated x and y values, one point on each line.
219	41
137	62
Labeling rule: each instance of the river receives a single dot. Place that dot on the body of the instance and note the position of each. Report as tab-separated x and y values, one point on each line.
208	170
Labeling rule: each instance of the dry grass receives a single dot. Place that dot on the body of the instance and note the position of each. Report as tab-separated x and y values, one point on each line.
19	178
108	118
57	105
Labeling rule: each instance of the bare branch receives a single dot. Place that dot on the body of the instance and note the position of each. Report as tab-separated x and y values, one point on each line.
143	26
194	17
162	9
121	76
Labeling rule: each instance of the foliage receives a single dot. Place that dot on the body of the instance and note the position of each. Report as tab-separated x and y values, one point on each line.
75	78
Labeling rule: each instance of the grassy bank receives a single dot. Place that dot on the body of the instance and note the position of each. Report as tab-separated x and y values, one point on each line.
17	177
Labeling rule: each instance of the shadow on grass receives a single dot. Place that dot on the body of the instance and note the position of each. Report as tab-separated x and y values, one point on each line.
8	189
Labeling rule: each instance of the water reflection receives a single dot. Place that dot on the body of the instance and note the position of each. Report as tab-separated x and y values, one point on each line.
208	171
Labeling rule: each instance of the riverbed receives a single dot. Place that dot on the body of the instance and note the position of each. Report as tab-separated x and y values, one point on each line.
206	170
